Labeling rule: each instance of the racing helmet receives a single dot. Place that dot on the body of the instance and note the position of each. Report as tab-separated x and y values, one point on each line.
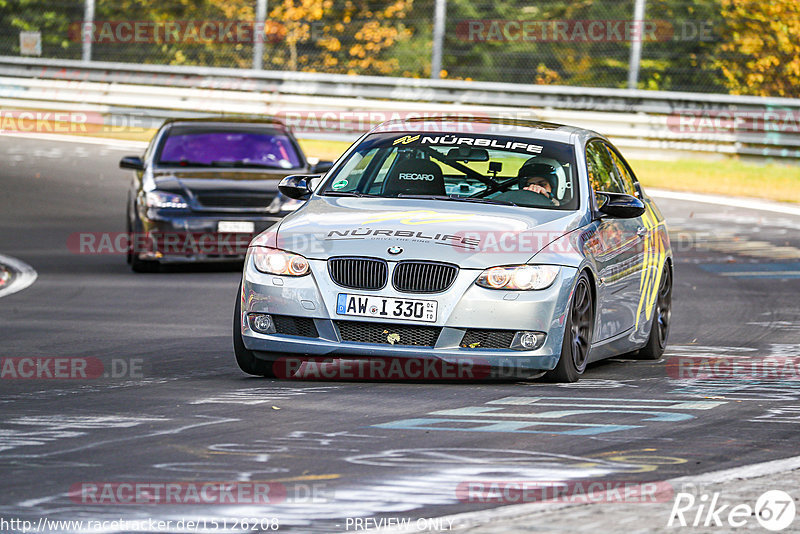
532	168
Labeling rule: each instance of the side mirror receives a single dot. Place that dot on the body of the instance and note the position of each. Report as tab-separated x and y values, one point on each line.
131	162
321	167
619	205
297	186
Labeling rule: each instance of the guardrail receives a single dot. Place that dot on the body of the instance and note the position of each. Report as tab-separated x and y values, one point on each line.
651	121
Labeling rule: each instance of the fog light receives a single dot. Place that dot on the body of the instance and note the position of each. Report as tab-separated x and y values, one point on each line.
528	340
261	322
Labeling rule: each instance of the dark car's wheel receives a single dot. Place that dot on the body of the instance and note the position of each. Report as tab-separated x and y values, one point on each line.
578	332
662	315
137	265
245	358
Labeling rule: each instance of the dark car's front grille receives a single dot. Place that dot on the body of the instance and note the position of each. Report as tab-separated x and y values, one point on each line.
358	273
423	276
236	200
488	339
295	326
364	332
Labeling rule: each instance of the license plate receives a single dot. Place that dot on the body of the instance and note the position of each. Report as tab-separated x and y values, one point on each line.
386	307
236	227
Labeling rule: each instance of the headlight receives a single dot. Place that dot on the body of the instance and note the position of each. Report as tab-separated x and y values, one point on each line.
274	261
159	199
519	277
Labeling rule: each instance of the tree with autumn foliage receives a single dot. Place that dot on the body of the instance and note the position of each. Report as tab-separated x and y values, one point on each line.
352	37
761	54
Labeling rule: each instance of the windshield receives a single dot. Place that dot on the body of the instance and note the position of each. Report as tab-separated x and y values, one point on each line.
468	168
228	147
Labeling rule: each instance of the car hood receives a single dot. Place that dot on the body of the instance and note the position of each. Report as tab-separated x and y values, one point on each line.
470	235
193	182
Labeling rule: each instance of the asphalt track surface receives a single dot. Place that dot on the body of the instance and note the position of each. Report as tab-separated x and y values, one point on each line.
366	449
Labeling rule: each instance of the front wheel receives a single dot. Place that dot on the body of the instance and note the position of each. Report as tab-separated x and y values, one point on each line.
662	315
137	265
578	332
245	358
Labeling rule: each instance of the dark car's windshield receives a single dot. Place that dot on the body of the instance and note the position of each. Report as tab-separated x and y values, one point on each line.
228	147
460	167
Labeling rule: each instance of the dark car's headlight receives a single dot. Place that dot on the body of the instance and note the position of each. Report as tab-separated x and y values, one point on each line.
521	277
275	261
160	199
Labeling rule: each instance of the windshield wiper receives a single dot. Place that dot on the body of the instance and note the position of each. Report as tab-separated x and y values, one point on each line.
185	163
424	197
485	200
238	164
458	199
347	194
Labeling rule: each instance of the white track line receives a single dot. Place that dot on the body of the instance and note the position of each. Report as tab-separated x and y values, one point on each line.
734	202
483	517
86	140
24	275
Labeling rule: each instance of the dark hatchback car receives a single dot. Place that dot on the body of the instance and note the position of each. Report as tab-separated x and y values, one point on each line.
204	187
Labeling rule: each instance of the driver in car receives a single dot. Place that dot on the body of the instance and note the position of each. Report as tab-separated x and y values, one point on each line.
538	178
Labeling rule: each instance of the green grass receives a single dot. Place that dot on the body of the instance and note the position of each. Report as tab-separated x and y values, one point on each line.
724	177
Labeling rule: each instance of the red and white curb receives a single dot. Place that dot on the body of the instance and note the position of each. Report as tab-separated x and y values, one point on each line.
15	275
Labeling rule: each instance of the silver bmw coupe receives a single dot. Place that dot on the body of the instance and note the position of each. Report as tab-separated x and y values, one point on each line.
520	246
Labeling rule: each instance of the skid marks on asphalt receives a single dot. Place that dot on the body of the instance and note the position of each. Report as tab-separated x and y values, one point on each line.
262	395
310	503
771	373
709	237
36	431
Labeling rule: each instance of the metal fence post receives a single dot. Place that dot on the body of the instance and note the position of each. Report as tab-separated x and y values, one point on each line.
86	30
439	14
636	44
258	36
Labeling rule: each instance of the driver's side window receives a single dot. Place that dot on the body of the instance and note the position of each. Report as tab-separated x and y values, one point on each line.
626	177
602	174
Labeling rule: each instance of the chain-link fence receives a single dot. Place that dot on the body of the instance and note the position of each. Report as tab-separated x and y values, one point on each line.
683	45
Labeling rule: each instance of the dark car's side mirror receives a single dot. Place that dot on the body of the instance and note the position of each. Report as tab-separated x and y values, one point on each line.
131	162
297	186
321	166
619	205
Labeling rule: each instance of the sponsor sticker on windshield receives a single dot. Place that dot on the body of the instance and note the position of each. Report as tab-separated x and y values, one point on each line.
458	140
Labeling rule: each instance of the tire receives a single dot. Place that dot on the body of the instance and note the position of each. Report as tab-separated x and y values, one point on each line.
245	358
137	265
143	266
660	323
578	332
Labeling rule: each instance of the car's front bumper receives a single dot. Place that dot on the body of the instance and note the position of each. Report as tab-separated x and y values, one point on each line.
191	237
464	306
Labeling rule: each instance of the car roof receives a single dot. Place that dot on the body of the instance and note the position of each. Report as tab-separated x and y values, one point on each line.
259	120
466	124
